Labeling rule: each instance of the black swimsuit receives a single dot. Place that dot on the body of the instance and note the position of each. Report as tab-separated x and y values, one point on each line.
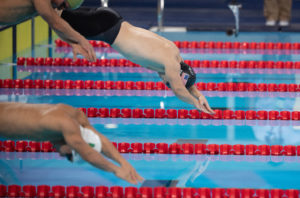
95	23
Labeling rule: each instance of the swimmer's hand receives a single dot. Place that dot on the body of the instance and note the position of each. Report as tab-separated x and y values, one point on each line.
128	173
200	101
85	49
203	105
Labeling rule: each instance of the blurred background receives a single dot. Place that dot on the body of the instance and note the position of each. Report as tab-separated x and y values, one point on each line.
210	15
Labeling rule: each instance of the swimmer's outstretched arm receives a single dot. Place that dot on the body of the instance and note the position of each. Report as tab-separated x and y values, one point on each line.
198	100
71	133
125	171
63	29
201	98
172	75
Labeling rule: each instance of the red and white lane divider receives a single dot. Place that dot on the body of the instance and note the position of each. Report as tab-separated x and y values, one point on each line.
211	45
59	191
58	61
128	70
141	85
190	114
164	148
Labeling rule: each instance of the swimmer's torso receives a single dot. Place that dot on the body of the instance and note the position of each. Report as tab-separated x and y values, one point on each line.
142	42
29	118
136	44
13	11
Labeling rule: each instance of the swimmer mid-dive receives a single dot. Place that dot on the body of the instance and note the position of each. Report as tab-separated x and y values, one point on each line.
139	46
70	132
14	11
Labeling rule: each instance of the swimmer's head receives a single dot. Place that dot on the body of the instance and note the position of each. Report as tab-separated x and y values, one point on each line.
187	74
67	4
73	4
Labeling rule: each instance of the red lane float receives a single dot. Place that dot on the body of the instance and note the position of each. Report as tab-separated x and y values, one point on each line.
140	85
210	45
191	114
164	148
58	61
47	191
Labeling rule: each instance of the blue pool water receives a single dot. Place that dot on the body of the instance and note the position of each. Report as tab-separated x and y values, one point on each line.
188	170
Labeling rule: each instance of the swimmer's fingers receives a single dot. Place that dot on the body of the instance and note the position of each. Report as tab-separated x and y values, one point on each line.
77	49
202	108
74	55
137	177
205	106
125	173
133	178
199	105
91	55
209	109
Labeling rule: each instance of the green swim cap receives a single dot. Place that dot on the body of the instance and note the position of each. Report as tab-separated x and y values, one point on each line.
74	3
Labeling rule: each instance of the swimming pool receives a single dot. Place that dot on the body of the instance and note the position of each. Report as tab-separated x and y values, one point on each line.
211	171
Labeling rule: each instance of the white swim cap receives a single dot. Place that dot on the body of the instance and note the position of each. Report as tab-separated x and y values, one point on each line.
91	138
74	3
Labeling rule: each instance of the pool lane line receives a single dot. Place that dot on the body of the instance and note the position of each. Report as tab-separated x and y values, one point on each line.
118	69
141	93
209	45
183	51
184	114
193	122
145	85
165	148
158	157
146	191
213	64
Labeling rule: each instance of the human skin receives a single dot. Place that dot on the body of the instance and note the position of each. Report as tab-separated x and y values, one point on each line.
14	11
156	53
60	124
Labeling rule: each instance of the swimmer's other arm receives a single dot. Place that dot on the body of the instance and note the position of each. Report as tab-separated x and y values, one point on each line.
73	138
62	28
201	98
125	170
193	97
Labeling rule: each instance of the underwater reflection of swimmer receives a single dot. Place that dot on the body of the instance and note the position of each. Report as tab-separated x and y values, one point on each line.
191	176
277	135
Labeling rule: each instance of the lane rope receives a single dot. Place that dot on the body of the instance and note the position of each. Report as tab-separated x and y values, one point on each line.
164	148
144	85
233	64
145	192
210	45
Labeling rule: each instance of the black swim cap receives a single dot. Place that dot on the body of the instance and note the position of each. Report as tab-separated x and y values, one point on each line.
187	74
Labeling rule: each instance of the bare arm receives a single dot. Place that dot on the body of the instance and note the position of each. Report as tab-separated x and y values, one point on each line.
191	96
108	149
126	171
201	98
71	133
172	75
62	28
